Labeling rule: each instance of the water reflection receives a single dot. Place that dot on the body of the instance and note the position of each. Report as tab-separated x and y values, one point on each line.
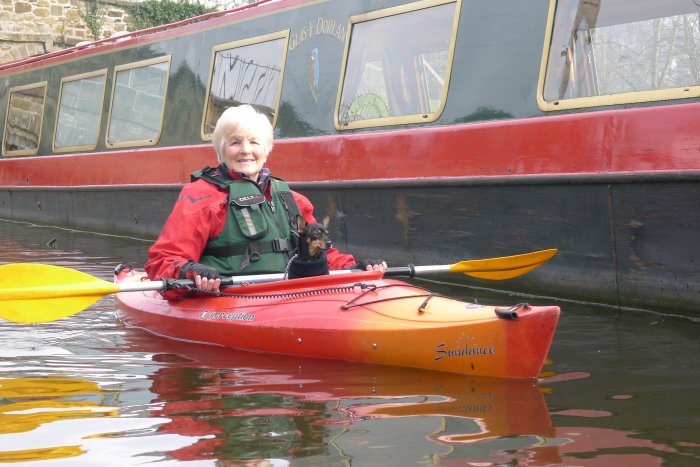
621	389
286	406
31	404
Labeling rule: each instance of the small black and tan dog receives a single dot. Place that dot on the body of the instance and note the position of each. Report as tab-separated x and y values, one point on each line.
313	238
313	241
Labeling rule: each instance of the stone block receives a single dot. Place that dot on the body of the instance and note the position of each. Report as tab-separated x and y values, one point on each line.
73	16
22	7
51	22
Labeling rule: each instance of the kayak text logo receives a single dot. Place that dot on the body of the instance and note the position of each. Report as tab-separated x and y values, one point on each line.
468	349
242	316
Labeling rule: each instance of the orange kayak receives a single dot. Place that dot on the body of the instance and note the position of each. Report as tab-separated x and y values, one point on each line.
358	317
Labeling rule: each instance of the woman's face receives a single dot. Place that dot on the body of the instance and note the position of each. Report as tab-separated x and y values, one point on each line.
245	151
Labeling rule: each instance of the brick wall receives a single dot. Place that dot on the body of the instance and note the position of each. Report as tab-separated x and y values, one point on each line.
34	27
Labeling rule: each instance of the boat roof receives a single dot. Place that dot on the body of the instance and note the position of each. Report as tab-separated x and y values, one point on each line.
130	38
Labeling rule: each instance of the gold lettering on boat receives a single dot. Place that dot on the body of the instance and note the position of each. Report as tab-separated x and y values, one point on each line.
330	27
321	27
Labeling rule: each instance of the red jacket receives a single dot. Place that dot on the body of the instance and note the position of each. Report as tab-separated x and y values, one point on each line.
198	215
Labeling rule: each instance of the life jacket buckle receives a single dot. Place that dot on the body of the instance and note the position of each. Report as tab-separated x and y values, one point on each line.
280	245
254	254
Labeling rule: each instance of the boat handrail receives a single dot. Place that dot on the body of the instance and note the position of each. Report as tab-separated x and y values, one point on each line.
127	35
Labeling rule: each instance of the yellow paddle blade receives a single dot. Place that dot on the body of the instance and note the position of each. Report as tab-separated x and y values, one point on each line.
502	275
506	267
63	292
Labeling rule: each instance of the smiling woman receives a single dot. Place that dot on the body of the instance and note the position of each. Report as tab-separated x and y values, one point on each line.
238	218
243	140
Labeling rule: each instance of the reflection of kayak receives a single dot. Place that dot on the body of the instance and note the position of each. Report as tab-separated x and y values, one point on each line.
505	407
357	317
360	410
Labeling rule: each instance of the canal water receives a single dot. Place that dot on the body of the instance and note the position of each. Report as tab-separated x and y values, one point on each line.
620	389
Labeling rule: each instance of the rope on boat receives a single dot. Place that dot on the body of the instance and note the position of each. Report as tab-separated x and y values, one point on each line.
364	288
298	294
509	313
428	295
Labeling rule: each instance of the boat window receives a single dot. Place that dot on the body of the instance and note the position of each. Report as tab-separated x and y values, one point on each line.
79	111
605	52
397	65
25	116
245	72
138	100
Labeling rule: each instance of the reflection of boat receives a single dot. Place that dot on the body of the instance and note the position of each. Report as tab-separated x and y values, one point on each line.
204	391
356	317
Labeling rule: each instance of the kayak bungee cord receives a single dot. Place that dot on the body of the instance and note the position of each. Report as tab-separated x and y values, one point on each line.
297	294
365	288
428	295
503	313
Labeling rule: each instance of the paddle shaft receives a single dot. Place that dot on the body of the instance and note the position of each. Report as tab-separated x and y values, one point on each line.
85	285
171	284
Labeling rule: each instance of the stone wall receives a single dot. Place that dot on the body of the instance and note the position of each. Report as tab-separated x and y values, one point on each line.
34	27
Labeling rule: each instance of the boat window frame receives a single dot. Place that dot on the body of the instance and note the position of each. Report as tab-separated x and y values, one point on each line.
273	36
167	59
633	97
68	79
401	119
24	87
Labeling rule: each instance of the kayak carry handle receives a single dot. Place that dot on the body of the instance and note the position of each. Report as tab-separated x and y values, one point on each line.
512	312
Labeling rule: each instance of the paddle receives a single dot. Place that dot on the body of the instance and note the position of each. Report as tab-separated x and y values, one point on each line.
37	293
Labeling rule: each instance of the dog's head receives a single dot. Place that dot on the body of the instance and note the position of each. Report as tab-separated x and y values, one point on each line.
313	238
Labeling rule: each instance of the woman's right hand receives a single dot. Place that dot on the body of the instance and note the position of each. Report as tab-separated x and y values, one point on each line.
205	277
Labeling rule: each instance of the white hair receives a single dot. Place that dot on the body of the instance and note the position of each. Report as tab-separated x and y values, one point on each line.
241	117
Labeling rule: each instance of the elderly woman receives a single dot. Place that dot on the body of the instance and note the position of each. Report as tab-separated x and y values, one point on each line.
236	218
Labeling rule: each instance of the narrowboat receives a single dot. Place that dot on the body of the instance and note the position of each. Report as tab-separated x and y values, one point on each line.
430	129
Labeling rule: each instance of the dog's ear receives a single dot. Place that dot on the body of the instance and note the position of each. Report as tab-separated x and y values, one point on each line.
301	224
326	220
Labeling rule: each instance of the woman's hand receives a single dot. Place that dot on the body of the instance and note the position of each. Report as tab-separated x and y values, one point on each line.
205	277
371	265
207	284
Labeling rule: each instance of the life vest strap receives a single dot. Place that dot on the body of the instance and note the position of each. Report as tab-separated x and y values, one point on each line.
278	245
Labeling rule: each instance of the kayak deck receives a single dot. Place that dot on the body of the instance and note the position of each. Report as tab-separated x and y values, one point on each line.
357	317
